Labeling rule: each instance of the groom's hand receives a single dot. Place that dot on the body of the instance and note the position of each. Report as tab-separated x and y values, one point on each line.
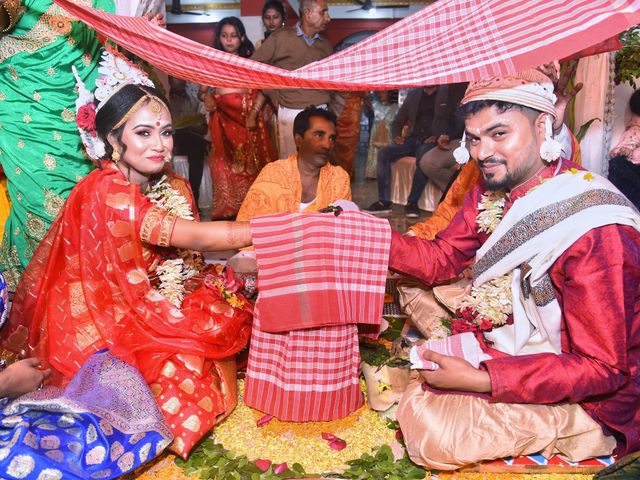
455	374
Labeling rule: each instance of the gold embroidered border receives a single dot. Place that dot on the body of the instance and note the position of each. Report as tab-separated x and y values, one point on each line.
543	293
540	220
15	10
53	23
166	228
150	221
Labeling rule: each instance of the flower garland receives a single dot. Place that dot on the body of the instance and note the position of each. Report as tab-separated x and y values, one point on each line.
165	196
489	305
491	208
174	272
230	297
486	307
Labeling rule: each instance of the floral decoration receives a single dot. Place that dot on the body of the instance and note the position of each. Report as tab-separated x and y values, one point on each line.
86	118
230	297
335	443
172	273
491	208
487	306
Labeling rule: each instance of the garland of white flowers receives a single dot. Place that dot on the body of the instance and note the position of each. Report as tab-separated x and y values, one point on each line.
493	299
491	208
174	272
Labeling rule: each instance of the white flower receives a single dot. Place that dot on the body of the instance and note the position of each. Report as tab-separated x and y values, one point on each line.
171	282
490	209
550	150
173	273
492	299
164	195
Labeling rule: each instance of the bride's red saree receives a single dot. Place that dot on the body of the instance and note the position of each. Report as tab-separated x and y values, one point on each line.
88	287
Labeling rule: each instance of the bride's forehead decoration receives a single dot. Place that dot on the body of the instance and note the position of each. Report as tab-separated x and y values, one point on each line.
115	71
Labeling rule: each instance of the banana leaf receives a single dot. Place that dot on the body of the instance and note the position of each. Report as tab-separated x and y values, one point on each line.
583	129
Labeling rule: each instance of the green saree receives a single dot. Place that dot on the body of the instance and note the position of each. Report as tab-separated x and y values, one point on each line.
40	148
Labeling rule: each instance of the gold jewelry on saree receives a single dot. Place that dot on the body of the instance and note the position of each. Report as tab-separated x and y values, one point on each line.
14	11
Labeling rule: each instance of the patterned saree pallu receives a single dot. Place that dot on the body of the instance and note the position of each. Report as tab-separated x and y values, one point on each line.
103	425
318	277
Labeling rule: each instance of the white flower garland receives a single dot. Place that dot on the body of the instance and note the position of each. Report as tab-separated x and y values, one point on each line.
174	272
165	196
491	208
492	299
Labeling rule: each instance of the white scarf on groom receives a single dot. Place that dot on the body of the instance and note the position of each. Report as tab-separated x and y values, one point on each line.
536	230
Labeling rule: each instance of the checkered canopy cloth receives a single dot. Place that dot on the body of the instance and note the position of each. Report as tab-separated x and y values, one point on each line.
446	42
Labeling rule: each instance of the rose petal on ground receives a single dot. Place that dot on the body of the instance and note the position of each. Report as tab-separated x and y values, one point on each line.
263	464
337	444
278	469
264	420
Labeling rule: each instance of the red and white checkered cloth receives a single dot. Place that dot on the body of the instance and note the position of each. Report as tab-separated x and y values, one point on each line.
320	269
318	276
448	41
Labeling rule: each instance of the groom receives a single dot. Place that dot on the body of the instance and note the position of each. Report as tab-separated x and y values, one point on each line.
565	246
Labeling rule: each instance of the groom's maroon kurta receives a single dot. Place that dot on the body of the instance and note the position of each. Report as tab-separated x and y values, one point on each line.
597	284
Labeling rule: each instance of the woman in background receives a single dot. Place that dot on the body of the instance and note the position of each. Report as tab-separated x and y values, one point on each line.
240	142
273	17
624	166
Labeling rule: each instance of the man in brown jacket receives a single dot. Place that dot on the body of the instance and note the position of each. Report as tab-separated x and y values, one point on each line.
291	48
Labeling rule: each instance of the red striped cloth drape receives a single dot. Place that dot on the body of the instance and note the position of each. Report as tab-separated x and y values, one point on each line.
318	276
447	41
317	269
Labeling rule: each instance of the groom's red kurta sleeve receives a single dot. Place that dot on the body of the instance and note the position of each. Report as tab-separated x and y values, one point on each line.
441	259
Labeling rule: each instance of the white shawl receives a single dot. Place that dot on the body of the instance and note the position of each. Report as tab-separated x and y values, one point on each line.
537	229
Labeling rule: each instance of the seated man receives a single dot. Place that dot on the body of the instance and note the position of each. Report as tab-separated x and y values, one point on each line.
562	246
281	360
438	164
429	116
305	182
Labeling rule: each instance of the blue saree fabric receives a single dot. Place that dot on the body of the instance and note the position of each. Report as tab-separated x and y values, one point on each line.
104	424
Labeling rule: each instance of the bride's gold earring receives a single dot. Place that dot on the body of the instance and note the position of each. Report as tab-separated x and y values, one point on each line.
115	156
